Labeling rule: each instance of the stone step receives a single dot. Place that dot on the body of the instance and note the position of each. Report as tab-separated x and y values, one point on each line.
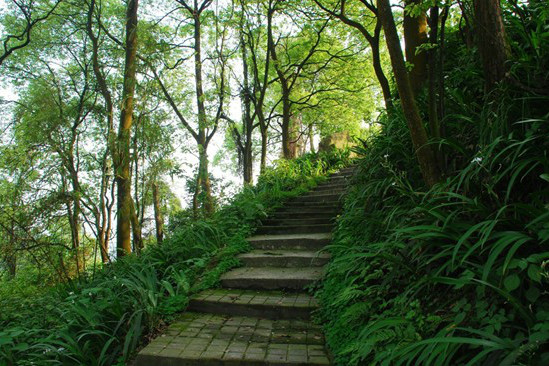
270	305
351	168
296	229
322	192
313	242
271	278
208	339
326	220
284	258
339	178
298	214
330	197
317	204
332	210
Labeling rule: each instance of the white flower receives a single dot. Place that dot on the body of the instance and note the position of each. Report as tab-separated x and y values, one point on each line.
477	160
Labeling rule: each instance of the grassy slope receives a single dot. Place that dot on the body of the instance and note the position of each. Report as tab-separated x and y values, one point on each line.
456	275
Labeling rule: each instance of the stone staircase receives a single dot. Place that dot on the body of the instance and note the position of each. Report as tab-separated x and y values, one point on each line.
262	314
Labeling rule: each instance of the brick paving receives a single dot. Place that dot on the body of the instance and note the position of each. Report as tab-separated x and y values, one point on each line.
262	315
207	336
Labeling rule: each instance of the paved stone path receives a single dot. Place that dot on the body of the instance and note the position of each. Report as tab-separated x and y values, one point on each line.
261	315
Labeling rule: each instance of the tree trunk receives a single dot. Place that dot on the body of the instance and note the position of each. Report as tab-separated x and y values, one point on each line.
203	176
432	92
247	158
264	141
11	263
10	255
428	163
287	150
415	34
491	40
204	185
378	69
123	178
136	229
158	218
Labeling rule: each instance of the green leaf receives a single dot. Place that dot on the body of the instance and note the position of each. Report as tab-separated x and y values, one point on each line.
534	272
545	177
532	294
511	282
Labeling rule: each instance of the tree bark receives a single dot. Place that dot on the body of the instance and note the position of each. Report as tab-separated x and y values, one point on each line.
378	69
432	63
136	229
203	182
428	163
203	174
415	34
491	40
247	158
123	177
158	217
264	141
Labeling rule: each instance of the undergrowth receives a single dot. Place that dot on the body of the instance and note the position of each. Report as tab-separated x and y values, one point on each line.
101	319
455	275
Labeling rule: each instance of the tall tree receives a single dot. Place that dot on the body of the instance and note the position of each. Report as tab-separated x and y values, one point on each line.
290	67
207	124
428	162
491	40
415	35
123	157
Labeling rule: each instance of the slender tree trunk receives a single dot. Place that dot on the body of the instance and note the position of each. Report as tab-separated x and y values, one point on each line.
432	93
247	157
382	79
158	218
123	177
296	145
287	150
203	175
11	263
203	183
415	34
136	229
428	162
10	255
264	141
491	40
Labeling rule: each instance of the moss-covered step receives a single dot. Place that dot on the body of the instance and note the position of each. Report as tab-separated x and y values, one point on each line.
211	339
271	278
314	241
264	304
284	258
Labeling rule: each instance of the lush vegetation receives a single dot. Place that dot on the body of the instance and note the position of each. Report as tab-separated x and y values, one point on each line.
456	274
439	256
101	318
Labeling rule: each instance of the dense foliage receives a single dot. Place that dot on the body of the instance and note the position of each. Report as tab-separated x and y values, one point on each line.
101	318
455	275
439	257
